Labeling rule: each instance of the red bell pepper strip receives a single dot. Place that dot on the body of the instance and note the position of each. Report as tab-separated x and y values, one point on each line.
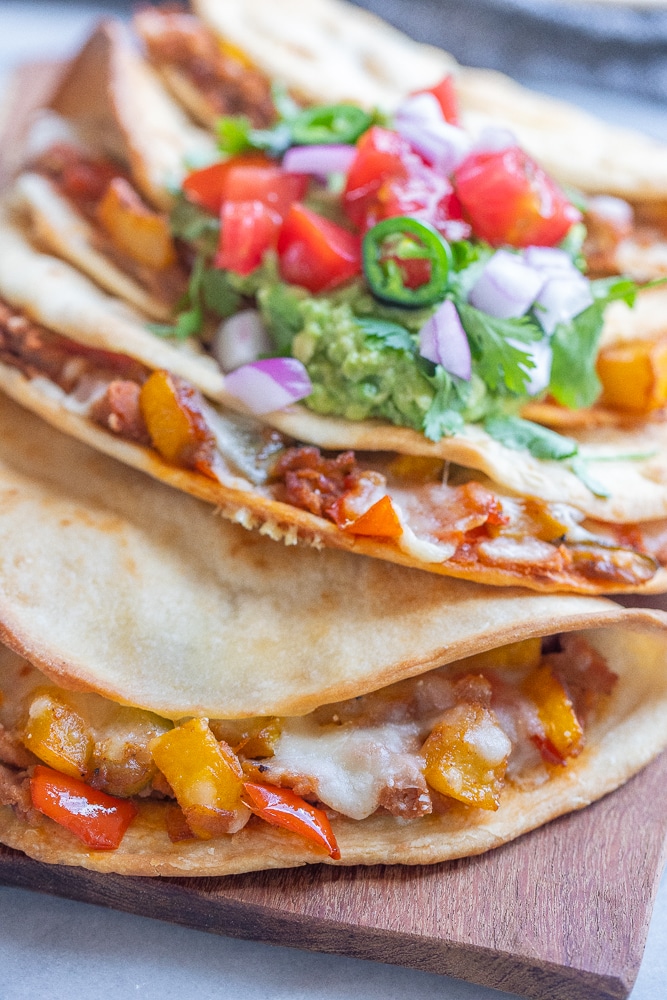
98	819
282	807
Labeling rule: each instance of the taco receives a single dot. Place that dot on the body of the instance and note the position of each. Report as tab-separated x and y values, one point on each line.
523	505
111	147
188	713
502	517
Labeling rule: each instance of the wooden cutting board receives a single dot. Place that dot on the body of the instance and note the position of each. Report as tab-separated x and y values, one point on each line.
560	914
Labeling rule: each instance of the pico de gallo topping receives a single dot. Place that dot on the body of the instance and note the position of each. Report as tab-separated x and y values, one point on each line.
417	273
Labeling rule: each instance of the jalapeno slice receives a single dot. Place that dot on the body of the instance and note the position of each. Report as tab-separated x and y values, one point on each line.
406	262
330	123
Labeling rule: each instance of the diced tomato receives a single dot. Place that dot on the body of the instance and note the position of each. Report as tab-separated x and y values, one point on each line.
381	155
388	178
447	97
274	187
250	177
315	252
248	229
98	819
205	186
509	199
379	521
283	807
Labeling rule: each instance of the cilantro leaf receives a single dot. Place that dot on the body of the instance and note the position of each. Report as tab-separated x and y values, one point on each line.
285	105
279	305
498	361
236	135
469	261
442	419
188	324
573	244
233	134
574	381
217	294
521	435
580	468
194	225
390	334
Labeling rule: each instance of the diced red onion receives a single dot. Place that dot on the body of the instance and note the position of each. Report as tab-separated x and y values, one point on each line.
419	119
320	161
541	355
493	139
507	287
419	108
561	299
614	210
270	384
239	340
443	341
550	260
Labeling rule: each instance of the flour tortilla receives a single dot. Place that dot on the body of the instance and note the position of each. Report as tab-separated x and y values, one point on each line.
328	51
57	227
117	102
56	296
117	584
111	583
631	730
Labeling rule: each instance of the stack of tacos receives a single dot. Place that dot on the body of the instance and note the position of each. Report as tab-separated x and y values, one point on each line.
183	696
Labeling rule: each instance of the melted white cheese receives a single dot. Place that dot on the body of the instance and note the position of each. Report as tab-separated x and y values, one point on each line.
349	765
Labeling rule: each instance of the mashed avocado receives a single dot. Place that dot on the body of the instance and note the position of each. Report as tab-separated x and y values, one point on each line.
363	360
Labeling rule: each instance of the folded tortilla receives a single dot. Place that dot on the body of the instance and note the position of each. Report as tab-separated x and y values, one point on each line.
628	463
46	291
361	58
117	588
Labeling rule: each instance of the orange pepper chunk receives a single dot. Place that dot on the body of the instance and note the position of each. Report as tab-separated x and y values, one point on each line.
380	520
172	410
634	375
98	819
58	735
466	756
136	229
205	776
563	734
283	807
522	655
417	468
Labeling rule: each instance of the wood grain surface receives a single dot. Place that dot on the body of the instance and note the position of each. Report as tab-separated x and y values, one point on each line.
560	914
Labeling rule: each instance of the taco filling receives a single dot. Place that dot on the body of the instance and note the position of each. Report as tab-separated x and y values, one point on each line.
438	514
456	736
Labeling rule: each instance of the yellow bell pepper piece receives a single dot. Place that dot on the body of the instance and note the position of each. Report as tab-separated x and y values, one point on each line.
416	468
205	775
134	228
466	756
58	735
634	375
175	422
563	733
523	655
